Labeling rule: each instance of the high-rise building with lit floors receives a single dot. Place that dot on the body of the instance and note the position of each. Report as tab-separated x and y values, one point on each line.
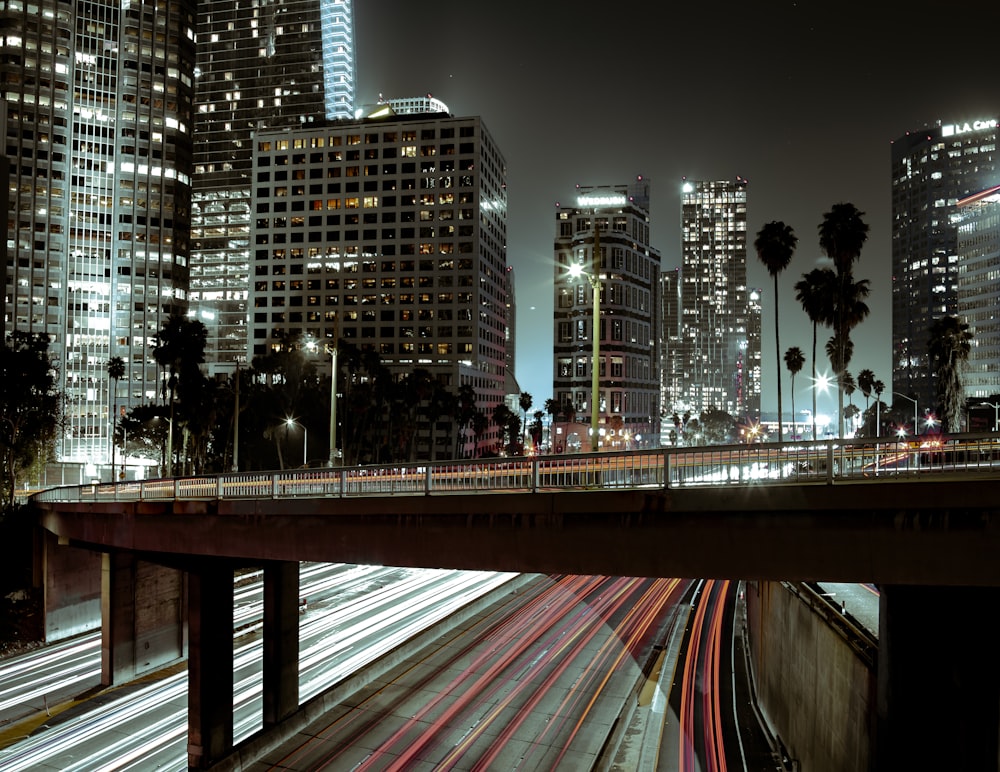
261	65
98	134
669	341
628	270
978	220
720	350
932	170
389	234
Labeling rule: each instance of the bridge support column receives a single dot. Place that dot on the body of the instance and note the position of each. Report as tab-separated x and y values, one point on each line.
281	641
938	678
117	617
210	663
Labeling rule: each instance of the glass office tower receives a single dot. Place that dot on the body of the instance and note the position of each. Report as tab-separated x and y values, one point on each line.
719	325
262	65
98	128
932	169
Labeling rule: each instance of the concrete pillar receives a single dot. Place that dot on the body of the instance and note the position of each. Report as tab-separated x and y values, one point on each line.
117	618
938	678
281	641
210	663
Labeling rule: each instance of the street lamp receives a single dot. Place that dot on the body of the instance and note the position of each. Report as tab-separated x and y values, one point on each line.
996	415
289	423
911	399
331	349
594	277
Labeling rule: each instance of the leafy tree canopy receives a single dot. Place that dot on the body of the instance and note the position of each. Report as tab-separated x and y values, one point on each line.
30	408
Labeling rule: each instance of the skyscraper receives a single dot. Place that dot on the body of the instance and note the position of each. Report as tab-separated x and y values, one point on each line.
389	234
98	134
261	65
628	269
932	170
977	218
720	352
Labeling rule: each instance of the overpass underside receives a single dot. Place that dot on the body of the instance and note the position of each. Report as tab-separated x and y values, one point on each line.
929	547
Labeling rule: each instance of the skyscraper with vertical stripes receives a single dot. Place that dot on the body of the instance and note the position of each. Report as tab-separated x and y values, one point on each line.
719	325
262	65
98	127
932	170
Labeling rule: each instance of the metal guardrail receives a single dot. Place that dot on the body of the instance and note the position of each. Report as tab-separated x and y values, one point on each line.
722	465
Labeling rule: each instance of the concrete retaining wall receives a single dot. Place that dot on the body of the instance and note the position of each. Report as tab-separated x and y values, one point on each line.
72	589
816	691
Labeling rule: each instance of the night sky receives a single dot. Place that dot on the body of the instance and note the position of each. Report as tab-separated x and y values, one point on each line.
803	99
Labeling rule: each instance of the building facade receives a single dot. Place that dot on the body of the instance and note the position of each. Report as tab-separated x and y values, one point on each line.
670	350
932	170
719	336
99	119
389	234
977	219
627	268
261	65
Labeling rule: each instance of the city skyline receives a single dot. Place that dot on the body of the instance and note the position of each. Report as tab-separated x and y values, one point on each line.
800	101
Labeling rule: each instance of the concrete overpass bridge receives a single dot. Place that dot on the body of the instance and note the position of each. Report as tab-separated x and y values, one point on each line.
922	523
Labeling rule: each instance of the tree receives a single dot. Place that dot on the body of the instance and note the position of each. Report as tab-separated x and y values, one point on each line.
814	291
502	418
716	427
878	387
866	378
30	409
179	348
465	411
116	371
948	348
775	245
537	429
794	359
525	402
842	234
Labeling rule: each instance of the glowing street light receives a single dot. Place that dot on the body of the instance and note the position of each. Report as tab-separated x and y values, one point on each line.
331	349
289	423
916	430
594	277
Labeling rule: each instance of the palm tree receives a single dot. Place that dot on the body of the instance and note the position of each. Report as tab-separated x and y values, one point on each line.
775	244
815	291
948	348
794	359
878	387
116	371
865	380
842	234
525	402
179	348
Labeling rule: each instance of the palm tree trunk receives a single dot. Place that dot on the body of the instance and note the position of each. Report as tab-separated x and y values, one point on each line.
777	359
814	380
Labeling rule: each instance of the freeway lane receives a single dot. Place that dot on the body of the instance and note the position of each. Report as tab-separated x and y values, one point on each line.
39	680
538	683
144	726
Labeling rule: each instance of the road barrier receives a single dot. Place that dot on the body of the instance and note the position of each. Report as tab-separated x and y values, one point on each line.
819	462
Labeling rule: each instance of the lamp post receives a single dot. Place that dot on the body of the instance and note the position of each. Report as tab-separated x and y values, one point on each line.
289	423
996	415
331	349
333	402
911	399
594	277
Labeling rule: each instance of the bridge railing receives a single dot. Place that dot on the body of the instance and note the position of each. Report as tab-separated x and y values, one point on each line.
818	462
